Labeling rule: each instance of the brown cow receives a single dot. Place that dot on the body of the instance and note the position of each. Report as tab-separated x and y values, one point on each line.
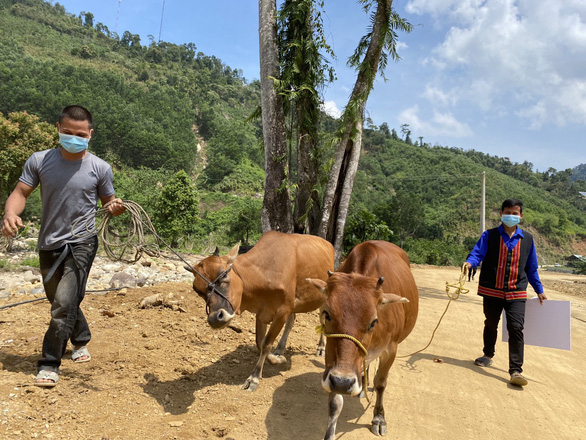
357	306
270	281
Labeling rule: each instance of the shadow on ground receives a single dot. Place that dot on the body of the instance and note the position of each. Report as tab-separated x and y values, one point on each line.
177	395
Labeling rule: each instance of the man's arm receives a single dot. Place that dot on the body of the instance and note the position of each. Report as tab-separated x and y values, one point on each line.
114	205
14	207
478	253
533	276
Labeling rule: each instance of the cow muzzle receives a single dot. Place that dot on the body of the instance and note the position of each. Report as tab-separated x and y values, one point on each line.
338	380
219	319
341	383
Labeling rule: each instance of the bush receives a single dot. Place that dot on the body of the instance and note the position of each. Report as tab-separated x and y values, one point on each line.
580	268
177	209
435	252
362	226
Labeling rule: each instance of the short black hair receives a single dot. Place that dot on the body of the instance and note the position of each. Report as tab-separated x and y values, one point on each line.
509	203
77	113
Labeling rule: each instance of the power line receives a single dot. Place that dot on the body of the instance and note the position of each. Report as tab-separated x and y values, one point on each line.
427	177
161	26
117	16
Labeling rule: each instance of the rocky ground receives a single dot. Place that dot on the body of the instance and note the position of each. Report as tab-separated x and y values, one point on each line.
162	373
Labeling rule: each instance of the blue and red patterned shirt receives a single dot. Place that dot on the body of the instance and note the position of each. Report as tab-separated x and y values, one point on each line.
508	264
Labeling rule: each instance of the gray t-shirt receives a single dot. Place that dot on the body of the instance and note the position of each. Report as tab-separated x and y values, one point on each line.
69	191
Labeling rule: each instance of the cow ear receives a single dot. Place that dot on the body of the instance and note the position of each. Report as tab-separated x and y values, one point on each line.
391	298
320	284
216	252
233	252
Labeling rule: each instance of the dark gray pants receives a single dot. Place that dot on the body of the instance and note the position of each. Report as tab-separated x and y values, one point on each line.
65	291
515	313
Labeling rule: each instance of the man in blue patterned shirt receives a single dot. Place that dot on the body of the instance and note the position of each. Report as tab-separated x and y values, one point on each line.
509	264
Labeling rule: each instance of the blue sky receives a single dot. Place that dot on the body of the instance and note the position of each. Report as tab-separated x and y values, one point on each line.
503	77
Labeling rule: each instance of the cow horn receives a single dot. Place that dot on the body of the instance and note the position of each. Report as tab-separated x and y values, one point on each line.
189	269
217	252
380	282
330	273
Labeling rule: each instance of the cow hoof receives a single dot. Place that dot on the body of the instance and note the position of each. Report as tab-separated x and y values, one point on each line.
379	427
251	384
275	359
320	352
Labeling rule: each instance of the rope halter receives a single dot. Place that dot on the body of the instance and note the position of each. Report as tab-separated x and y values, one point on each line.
320	329
213	288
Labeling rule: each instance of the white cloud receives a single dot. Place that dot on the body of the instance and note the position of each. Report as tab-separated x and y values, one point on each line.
440	124
438	97
523	58
401	46
331	109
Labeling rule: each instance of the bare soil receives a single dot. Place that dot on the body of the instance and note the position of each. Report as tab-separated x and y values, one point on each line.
161	373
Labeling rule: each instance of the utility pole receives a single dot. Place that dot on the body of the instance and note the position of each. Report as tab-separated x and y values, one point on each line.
483	203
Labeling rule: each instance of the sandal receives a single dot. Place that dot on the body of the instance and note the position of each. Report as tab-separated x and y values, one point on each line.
46	375
483	361
78	353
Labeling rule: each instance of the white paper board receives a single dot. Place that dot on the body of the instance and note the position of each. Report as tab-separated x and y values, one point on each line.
546	325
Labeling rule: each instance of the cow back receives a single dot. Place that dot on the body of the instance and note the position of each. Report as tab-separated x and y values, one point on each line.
382	259
281	263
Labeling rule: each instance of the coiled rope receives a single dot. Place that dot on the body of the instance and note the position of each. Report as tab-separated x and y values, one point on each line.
114	243
135	239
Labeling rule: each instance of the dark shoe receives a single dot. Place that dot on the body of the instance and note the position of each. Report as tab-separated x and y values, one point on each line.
483	361
518	379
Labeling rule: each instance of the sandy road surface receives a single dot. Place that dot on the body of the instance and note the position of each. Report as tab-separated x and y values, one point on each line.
163	374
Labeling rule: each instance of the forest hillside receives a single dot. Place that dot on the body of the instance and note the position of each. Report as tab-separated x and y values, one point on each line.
182	132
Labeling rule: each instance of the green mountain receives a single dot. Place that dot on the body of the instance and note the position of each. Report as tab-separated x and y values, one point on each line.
161	108
152	104
443	187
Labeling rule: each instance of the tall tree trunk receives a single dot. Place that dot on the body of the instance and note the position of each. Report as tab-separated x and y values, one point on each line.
276	211
343	171
304	71
306	214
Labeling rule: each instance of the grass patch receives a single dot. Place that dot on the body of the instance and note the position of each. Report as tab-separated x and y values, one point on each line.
30	261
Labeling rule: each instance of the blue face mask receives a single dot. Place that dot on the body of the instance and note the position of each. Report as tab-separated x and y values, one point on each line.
73	144
510	220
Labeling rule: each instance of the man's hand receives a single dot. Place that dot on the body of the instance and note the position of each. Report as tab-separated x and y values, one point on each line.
541	297
10	225
468	267
115	207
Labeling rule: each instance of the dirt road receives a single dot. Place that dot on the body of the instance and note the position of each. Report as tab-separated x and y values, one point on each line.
163	374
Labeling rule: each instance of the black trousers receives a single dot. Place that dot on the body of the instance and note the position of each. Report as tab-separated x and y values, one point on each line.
65	290
515	314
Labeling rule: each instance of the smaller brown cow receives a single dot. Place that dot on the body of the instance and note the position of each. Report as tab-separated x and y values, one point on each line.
270	281
371	306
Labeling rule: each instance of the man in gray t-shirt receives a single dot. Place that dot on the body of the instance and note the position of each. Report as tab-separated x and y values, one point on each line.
69	190
72	180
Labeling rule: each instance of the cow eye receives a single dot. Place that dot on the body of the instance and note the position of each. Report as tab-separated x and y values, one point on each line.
326	315
372	324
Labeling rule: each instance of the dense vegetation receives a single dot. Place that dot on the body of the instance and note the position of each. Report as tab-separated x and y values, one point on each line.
179	128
